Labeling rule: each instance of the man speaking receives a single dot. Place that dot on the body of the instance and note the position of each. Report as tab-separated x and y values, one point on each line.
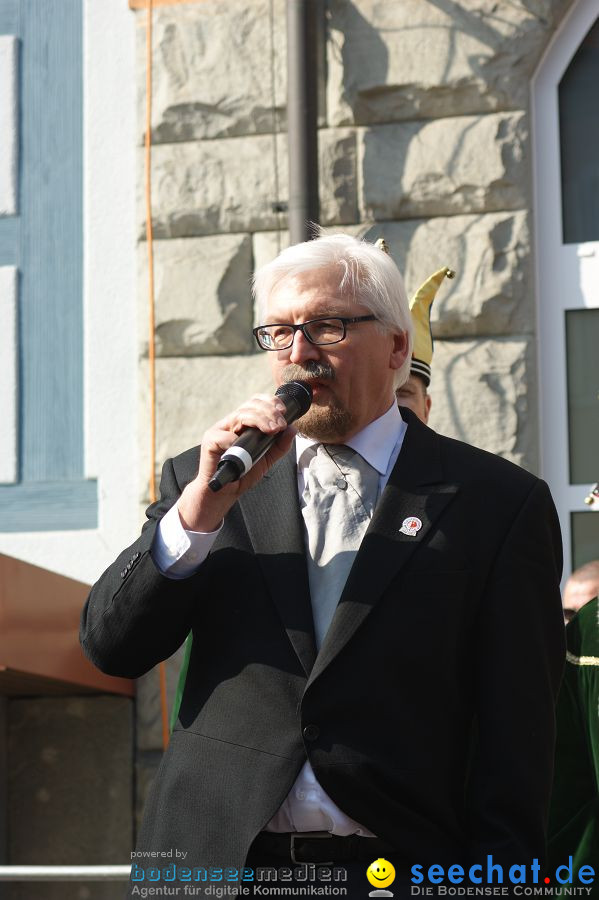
376	617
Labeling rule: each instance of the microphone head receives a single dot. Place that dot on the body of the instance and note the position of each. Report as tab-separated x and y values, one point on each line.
300	391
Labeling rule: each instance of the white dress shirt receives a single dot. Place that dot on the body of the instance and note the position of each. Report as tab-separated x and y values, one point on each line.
178	553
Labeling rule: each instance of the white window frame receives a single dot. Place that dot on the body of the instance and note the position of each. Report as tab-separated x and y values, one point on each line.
566	274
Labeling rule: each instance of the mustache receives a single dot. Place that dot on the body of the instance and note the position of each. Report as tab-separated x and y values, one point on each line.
311	371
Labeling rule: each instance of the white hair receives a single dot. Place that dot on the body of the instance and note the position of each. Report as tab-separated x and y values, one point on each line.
368	275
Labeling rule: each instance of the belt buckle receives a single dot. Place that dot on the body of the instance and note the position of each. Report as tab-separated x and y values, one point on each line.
308	834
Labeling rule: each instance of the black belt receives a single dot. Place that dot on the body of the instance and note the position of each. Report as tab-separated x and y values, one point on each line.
320	847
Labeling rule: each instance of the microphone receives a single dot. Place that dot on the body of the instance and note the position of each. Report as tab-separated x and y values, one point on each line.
252	444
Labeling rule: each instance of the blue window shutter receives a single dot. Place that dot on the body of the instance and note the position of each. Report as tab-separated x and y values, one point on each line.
44	241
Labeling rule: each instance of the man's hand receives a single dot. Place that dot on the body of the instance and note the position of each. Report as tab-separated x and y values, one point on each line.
200	509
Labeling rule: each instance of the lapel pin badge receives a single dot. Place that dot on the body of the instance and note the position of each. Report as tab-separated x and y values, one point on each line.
411	525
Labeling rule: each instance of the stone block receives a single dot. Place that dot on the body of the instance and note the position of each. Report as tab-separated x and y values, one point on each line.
492	291
413	59
217	67
484	393
203	302
450	166
209	187
193	394
70	776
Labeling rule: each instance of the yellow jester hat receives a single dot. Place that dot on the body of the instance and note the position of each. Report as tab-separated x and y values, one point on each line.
420	308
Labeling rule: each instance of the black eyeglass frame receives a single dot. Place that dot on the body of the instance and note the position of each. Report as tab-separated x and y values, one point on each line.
345	321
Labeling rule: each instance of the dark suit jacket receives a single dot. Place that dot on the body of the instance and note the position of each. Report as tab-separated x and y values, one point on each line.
428	713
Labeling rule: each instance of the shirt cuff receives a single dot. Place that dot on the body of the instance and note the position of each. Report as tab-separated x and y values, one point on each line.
179	553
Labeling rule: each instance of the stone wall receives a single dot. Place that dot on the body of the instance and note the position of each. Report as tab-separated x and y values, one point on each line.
424	138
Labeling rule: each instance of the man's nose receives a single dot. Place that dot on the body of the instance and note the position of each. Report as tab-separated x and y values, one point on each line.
302	349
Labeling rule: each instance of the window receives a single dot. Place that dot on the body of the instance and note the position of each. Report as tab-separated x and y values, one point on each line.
41	259
566	208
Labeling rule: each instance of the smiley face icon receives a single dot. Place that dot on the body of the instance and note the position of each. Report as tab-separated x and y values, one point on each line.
380	873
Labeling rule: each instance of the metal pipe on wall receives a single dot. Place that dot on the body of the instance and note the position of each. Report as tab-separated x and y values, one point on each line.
302	103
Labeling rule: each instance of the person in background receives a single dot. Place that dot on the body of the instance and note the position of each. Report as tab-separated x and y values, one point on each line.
574	811
414	393
581	586
415	396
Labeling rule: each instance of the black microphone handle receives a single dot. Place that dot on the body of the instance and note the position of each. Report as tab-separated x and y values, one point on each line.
252	444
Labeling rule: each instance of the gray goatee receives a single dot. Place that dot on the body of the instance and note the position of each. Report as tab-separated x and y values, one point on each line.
328	424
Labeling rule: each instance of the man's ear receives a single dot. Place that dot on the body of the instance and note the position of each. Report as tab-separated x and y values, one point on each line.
427	407
399	350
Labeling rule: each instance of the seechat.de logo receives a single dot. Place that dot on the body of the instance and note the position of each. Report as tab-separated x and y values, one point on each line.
492	873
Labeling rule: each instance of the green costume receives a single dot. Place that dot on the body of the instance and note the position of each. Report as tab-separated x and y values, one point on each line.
574	816
181	681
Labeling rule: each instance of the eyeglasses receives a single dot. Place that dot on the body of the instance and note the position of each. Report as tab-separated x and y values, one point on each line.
324	330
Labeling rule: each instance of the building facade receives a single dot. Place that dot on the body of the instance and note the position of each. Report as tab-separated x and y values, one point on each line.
462	131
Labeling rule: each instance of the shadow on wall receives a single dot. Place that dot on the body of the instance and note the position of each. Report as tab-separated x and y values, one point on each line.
523	47
440	63
507	41
360	49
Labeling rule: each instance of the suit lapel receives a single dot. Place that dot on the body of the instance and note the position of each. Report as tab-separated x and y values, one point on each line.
274	523
415	490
